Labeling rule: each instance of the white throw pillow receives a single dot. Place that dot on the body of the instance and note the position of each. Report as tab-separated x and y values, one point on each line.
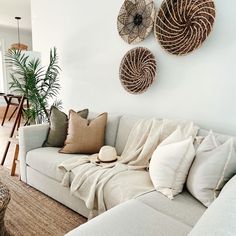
214	165
170	163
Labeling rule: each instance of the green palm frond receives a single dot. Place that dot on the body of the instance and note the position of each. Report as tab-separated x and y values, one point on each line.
30	79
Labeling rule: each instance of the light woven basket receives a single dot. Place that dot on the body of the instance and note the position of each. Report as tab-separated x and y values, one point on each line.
135	20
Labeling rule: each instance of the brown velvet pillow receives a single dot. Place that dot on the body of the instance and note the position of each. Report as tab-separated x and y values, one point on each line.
85	136
58	127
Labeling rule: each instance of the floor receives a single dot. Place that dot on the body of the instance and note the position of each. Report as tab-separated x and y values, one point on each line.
40	208
30	212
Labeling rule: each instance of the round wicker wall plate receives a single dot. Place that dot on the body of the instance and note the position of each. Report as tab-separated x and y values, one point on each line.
137	70
181	26
135	20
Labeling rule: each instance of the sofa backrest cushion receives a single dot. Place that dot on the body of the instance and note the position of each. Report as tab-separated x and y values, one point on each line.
205	180
219	219
111	127
126	124
221	137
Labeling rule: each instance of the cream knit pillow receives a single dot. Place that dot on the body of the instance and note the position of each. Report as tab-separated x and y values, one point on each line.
170	163
214	165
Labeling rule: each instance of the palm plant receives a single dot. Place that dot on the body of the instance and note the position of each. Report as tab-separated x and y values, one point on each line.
37	84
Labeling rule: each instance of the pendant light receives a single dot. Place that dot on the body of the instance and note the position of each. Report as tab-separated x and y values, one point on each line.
19	46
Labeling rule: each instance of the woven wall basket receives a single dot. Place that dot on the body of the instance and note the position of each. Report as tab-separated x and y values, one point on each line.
135	20
137	70
181	26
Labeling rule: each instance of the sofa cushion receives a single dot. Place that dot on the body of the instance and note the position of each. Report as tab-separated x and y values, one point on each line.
45	160
219	219
118	189
85	136
183	207
58	127
125	126
111	128
214	165
221	137
170	163
132	218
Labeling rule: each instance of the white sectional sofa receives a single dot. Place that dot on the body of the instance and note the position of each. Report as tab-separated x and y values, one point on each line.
147	215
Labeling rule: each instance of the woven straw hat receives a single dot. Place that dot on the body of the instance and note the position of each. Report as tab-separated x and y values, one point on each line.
106	155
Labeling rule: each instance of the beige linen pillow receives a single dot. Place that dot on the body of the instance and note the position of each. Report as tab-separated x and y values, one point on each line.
214	165
85	136
170	163
58	127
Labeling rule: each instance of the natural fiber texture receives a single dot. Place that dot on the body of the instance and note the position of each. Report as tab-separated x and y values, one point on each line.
137	70
4	200
30	212
135	20
19	46
85	136
57	132
181	26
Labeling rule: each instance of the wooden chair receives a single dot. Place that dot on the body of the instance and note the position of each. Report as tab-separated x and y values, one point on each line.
11	100
13	139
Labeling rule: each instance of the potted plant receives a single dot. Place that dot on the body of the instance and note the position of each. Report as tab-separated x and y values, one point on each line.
38	84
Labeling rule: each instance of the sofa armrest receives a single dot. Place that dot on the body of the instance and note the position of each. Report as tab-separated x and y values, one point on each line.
30	137
219	219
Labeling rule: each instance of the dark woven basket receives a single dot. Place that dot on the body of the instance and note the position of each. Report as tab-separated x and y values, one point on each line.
137	70
182	26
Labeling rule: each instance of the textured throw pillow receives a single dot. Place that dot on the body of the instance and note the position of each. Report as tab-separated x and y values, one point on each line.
58	127
214	165
85	136
170	163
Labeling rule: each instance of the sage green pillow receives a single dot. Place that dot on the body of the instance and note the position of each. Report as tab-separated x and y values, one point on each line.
58	127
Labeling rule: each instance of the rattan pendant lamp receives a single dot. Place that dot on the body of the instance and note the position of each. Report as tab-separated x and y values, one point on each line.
19	46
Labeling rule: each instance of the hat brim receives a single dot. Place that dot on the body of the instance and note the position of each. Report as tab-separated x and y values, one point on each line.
95	160
109	161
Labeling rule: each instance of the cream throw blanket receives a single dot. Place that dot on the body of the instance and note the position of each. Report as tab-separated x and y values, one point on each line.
91	179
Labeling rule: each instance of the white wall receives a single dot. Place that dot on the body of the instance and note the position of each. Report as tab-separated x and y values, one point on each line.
8	36
200	86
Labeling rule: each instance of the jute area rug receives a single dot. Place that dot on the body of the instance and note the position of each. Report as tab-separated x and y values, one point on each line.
30	212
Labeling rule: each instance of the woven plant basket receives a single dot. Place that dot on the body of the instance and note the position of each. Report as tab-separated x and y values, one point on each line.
4	200
137	70
181	26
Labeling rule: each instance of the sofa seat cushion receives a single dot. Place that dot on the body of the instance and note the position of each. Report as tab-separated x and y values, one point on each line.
219	219
183	207
118	190
132	218
46	160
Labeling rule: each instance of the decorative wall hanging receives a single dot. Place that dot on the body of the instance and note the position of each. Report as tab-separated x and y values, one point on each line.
135	20
137	70
181	26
